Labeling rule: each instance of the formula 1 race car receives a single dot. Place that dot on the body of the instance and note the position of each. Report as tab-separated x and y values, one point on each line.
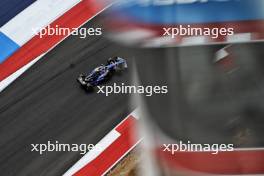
102	73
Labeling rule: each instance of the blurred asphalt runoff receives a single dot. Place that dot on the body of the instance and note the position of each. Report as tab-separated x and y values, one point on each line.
207	103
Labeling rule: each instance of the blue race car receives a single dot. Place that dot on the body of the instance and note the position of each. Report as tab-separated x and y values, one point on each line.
102	73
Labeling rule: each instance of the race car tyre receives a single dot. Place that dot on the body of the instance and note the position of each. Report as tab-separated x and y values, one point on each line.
123	66
88	87
111	60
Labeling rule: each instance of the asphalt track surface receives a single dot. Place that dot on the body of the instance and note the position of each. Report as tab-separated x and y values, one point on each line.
46	103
